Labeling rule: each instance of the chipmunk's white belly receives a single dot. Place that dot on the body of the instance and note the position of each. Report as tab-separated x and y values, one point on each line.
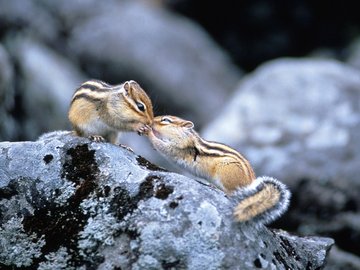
96	127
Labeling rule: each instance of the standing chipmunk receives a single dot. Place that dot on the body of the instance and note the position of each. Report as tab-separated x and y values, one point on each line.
262	199
99	110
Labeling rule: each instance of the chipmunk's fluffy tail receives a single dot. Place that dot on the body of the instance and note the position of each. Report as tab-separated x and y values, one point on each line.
263	201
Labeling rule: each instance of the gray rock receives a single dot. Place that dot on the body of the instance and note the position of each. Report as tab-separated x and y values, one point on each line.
46	82
6	79
353	57
182	68
339	259
7	96
68	203
30	15
290	116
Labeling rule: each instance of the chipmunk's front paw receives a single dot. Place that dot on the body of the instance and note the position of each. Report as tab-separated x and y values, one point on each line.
144	130
96	138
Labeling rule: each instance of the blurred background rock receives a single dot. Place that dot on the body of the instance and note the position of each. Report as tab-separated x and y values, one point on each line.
221	66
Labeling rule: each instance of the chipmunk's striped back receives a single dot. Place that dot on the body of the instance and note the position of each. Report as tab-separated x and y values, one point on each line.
93	91
215	149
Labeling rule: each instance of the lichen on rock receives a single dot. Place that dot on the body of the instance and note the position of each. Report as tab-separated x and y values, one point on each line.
100	206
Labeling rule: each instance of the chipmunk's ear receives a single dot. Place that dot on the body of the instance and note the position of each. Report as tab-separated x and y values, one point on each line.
188	124
127	88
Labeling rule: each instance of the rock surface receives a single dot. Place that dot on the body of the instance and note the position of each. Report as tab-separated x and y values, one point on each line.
68	203
8	127
339	259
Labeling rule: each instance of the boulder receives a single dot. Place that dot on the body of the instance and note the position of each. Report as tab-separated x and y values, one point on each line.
68	203
339	259
30	16
46	82
8	127
353	53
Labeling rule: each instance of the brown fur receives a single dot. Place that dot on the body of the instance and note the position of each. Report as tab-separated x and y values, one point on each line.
82	111
233	175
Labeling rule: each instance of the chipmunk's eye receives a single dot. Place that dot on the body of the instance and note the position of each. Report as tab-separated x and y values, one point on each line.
140	106
166	120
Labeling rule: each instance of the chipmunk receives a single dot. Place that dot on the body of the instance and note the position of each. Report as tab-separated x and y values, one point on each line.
262	199
99	110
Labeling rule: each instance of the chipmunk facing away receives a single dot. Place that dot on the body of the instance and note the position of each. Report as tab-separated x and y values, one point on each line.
262	199
99	110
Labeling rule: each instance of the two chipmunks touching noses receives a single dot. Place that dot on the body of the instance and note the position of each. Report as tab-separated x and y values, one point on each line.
99	111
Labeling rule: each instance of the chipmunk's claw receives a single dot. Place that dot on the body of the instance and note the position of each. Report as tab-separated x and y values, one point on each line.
126	147
97	138
144	130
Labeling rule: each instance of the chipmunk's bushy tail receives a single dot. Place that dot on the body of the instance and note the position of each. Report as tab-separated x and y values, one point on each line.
263	201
